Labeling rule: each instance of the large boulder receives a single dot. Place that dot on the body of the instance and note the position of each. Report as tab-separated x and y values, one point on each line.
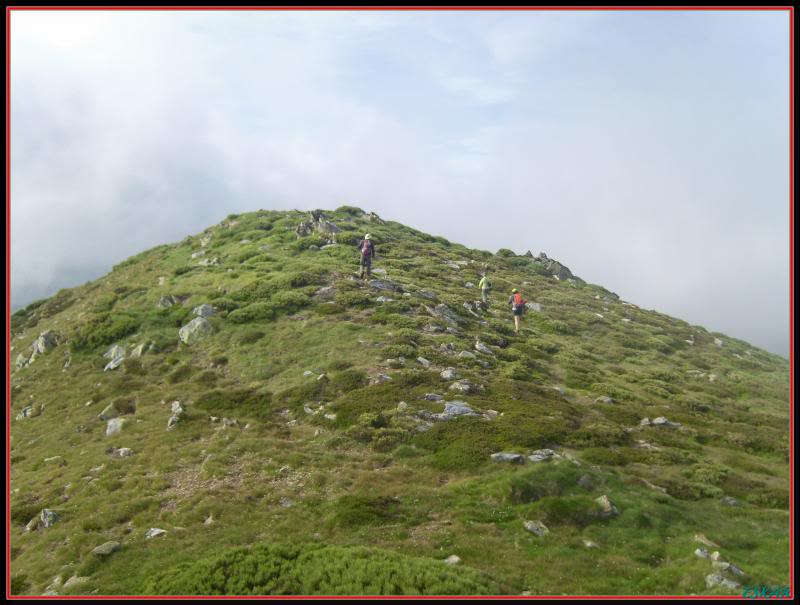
47	340
196	329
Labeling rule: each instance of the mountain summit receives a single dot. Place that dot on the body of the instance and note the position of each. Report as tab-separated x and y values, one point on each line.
239	413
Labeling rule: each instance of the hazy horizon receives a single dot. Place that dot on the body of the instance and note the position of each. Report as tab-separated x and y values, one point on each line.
648	151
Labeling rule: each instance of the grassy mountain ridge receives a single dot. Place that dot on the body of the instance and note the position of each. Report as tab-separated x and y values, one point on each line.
312	365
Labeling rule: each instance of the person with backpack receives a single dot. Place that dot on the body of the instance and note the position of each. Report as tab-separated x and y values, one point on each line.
367	249
517	307
485	286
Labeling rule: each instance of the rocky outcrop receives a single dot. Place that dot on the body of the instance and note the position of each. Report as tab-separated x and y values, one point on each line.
196	329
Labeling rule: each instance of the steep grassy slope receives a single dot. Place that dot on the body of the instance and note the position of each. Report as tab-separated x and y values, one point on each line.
354	466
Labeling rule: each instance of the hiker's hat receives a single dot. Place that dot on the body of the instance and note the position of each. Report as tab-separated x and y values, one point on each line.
367	236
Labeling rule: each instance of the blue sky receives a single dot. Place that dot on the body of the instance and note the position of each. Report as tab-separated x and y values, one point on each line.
646	150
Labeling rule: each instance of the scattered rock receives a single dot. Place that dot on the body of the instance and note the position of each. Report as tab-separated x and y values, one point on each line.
449	374
433	397
453	560
605	399
139	350
194	330
75	581
482	348
155	532
47	340
728	568
533	306
26	412
427	294
466	355
59	460
543	455
508	457
107	548
701	552
165	302
590	544
607	507
463	386
713	580
701	538
661	421
718	342
386	285
203	311
123	452
424	362
44	520
115	426
384	299
729	501
402	406
380	378
536	527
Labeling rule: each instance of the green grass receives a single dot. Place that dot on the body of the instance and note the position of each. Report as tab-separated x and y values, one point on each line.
332	467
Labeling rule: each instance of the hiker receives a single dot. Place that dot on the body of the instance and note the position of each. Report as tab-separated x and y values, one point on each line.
517	307
367	249
485	285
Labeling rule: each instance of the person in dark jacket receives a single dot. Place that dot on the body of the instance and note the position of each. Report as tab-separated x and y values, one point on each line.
367	249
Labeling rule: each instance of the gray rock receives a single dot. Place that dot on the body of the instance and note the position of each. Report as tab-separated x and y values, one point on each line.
116	351
123	452
542	455
386	285
176	408
536	527
165	302
325	293
424	362
203	311
590	544
433	397
533	306
427	294
114	364
383	299
47	340
402	406
115	426
226	422
455	409
109	412
729	501
380	378
644	422
661	421
107	548
718	342
453	560
607	507
209	262
728	567
463	386
605	399
714	580
469	284
139	350
701	552
444	312
59	460
155	532
44	520
449	374
26	412
482	348
466	355
701	538
173	420
75	581
22	361
508	457
195	330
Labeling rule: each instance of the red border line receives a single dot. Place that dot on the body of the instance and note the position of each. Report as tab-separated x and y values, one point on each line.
789	8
